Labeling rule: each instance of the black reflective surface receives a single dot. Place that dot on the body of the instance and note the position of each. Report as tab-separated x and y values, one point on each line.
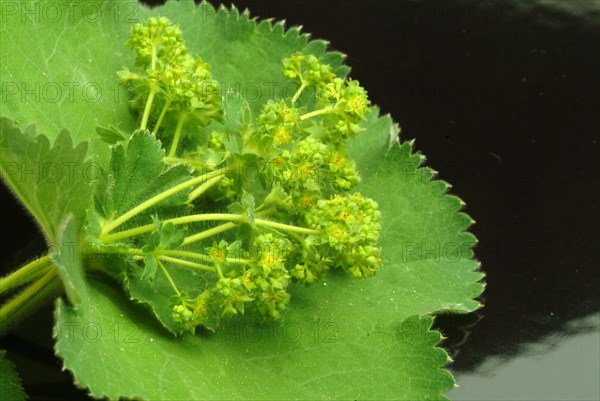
504	99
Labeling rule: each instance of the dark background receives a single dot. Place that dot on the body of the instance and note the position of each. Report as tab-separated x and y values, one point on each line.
503	98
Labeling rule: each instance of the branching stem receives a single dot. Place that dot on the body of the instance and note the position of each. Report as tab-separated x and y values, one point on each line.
195	218
286	227
177	220
107	228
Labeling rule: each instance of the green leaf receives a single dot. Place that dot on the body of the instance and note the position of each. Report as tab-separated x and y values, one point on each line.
51	180
10	384
110	135
157	295
150	269
67	259
423	232
48	81
245	206
137	173
132	169
164	237
168	236
320	351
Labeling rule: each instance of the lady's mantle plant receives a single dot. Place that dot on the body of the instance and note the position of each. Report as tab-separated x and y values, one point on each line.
293	219
248	222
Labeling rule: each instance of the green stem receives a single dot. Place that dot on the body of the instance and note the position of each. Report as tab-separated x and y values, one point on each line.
177	135
240	218
153	61
25	274
208	233
187	263
286	227
299	91
29	300
193	163
239	261
315	113
118	250
203	188
107	228
171	254
184	254
147	109
199	256
298	238
164	270
219	272
195	218
162	115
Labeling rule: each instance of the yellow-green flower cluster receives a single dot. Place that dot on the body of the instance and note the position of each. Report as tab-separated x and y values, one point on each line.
274	186
311	168
278	122
352	225
191	312
307	70
345	101
173	85
261	280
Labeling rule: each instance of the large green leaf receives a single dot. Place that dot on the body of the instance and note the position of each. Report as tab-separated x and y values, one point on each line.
340	339
424	233
330	349
51	180
48	81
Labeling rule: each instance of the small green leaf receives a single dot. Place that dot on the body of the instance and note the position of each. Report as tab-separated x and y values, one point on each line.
150	268
210	157
110	135
166	236
172	236
157	294
245	206
10	384
132	168
136	174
